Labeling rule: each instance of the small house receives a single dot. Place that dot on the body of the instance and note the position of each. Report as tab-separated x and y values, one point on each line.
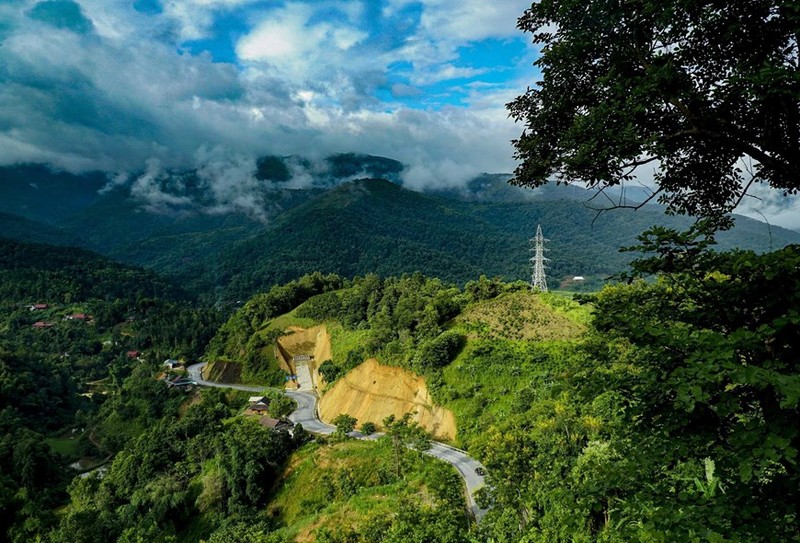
42	324
258	408
579	278
133	354
39	307
171	364
258	399
275	424
82	317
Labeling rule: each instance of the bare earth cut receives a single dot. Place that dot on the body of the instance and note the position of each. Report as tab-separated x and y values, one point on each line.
314	341
371	392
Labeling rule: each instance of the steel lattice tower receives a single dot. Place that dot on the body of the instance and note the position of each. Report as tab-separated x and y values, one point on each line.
539	278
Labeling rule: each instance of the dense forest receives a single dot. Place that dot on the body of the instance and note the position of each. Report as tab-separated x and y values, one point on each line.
73	386
642	413
343	226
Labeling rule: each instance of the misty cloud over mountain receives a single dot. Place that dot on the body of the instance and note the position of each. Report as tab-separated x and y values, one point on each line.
124	87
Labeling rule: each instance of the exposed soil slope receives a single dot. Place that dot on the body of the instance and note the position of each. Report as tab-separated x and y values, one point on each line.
371	392
315	341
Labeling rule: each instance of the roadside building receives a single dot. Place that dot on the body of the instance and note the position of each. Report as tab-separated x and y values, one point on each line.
275	424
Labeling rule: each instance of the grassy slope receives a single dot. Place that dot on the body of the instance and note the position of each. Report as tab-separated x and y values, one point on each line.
513	342
345	485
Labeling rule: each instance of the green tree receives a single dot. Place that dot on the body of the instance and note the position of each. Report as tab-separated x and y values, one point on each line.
281	406
329	371
405	433
691	85
344	423
368	428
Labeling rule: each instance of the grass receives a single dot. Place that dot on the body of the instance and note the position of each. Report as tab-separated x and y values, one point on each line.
515	343
493	380
345	341
562	302
347	483
524	315
286	320
66	446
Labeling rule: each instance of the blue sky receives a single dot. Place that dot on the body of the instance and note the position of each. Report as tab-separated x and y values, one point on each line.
119	85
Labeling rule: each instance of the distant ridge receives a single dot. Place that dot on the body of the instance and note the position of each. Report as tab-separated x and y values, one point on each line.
351	227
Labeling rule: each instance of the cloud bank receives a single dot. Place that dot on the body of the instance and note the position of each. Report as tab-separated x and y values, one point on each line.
121	87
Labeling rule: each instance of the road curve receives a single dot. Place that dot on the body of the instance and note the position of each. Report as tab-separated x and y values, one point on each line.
306	414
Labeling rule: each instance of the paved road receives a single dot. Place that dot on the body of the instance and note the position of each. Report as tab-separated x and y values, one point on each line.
306	414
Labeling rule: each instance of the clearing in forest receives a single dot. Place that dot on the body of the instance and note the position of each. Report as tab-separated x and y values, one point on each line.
520	316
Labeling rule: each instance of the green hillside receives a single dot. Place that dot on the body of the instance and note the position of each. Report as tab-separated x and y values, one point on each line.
648	407
350	491
373	226
19	228
480	349
335	226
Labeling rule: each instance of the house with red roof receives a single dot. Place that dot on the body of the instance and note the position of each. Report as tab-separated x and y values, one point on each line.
83	317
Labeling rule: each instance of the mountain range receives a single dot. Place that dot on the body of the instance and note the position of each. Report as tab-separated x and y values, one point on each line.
347	214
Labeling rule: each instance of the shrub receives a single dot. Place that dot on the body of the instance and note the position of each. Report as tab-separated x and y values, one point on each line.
368	428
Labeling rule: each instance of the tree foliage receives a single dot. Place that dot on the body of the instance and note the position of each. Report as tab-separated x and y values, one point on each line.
692	86
680	422
344	423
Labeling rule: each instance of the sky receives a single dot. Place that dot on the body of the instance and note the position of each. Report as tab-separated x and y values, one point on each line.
145	86
120	85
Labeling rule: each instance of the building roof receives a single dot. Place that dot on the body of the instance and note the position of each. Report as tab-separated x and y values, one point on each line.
259	399
259	407
40	306
273	424
133	354
42	324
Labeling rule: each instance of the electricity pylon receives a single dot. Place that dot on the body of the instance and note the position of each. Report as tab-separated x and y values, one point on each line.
539	278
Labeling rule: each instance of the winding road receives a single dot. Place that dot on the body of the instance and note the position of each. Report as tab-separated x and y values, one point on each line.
306	414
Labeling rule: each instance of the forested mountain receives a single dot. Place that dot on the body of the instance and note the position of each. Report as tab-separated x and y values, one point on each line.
81	338
334	225
376	226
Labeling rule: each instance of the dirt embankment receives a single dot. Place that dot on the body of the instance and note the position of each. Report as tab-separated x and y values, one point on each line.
371	392
315	341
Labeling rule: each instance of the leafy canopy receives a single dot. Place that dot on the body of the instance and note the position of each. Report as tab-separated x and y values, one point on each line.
694	86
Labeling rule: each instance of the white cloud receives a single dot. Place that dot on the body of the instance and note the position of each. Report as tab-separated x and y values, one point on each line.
471	20
289	43
123	99
444	72
194	18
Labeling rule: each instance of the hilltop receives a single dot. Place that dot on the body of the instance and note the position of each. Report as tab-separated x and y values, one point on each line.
403	344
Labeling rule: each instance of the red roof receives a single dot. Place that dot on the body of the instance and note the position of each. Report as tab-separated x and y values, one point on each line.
42	324
133	354
79	316
40	306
